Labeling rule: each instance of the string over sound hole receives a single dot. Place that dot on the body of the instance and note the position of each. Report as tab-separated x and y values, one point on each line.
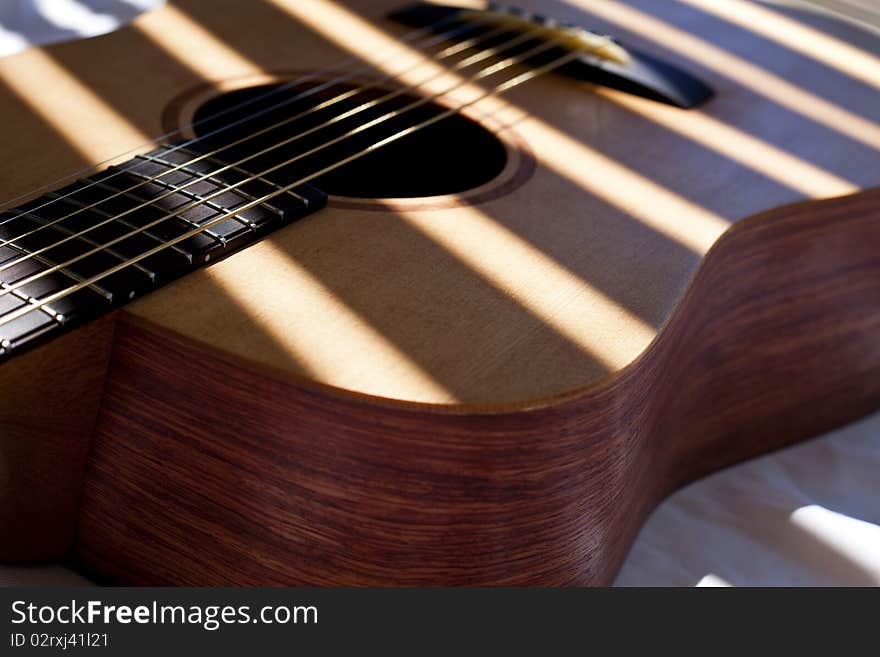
451	156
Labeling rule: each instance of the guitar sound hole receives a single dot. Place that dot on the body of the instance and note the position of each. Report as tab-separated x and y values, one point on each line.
453	155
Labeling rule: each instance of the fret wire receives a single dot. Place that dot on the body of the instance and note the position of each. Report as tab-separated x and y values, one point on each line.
217	181
21	295
55	268
509	84
442	55
211	177
193	196
127	224
234	167
30	301
459	65
135	197
406	38
91	242
499	66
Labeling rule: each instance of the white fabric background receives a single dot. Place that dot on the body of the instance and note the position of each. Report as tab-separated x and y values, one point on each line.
24	22
806	515
809	515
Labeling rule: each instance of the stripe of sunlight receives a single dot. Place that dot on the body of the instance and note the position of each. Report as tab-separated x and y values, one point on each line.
77	17
713	581
796	36
860	16
88	123
561	299
728	65
687	223
856	540
192	45
11	42
739	146
869	6
180	37
323	353
691	225
143	5
359	37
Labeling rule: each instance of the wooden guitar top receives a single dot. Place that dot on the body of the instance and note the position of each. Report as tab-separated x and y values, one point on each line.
644	295
552	277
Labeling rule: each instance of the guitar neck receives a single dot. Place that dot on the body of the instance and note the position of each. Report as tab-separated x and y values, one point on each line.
78	252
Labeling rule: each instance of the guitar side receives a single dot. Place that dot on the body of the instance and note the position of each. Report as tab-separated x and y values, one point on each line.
222	473
169	440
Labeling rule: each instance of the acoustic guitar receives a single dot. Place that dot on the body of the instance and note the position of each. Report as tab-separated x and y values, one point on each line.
361	293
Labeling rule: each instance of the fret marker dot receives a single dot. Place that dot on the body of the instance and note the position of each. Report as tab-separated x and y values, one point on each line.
131	295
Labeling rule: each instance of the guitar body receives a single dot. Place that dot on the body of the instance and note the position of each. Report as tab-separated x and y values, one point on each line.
488	387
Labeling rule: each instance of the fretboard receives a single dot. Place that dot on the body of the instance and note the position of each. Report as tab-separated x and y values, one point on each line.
72	237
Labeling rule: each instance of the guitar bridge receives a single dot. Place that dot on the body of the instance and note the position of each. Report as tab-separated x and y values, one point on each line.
603	61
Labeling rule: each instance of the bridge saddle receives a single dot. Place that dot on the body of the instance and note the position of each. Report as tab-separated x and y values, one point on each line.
567	35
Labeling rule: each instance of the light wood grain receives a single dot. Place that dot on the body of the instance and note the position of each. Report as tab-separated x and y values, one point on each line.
235	474
575	367
545	290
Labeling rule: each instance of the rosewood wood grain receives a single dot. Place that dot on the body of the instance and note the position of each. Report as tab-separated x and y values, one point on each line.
588	257
226	451
48	406
223	472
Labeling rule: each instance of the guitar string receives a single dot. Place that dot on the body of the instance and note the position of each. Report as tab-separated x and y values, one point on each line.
5	206
509	84
438	57
499	66
209	175
406	38
469	61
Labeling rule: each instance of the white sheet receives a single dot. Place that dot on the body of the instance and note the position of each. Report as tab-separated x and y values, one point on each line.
26	22
807	515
